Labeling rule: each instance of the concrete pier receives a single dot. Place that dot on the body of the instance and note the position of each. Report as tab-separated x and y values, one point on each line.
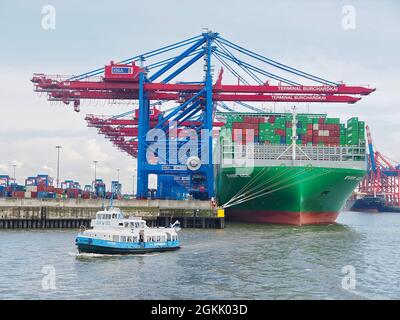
73	213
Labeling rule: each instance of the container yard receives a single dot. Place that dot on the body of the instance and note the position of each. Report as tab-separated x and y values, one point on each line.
39	204
243	151
42	187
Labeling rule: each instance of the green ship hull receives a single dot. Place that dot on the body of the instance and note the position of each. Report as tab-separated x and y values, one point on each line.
295	195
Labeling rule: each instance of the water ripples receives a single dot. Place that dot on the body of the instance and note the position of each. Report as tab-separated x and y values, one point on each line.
242	261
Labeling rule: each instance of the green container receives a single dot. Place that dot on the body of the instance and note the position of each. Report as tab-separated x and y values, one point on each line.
332	121
352	139
232	118
301	130
266	132
352	132
279	125
353	120
352	136
264	126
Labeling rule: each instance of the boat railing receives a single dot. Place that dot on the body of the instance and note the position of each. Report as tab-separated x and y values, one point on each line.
258	151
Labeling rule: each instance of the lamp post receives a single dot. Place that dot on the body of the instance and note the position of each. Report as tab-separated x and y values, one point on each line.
58	165
118	175
14	166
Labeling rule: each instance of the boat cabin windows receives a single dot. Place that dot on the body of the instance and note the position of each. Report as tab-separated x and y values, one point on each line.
160	238
125	238
131	239
109	216
133	225
172	237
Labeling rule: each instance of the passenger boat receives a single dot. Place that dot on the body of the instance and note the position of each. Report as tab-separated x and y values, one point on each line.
111	233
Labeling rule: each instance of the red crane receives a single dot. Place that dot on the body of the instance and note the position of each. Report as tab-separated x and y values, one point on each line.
128	89
383	176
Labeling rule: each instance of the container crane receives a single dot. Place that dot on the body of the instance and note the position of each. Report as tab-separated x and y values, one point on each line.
382	177
148	77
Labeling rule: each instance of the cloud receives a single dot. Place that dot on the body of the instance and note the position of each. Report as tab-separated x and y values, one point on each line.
94	151
47	169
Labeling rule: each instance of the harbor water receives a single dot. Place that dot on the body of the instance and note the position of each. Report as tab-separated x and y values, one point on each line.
242	261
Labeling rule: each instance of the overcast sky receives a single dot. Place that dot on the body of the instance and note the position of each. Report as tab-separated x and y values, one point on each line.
308	35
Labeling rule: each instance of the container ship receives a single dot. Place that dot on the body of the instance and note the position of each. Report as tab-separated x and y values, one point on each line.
288	168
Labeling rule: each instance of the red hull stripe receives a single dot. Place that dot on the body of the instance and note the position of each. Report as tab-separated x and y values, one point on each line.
281	217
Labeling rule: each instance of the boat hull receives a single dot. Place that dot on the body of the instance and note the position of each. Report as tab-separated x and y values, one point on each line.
87	248
373	205
286	195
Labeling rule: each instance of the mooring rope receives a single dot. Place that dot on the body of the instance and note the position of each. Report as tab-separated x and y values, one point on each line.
254	196
245	192
271	191
275	184
259	174
268	181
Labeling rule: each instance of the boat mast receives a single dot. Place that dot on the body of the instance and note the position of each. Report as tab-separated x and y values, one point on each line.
294	134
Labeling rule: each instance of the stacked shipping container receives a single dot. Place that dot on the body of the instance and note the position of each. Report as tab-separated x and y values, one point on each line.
277	129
